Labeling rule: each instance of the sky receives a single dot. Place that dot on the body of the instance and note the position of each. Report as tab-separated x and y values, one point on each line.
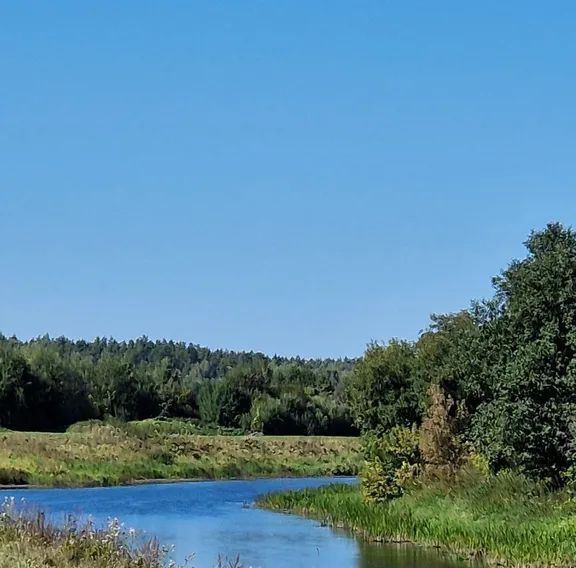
294	177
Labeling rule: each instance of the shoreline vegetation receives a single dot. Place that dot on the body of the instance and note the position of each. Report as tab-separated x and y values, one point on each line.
28	539
503	520
469	432
102	454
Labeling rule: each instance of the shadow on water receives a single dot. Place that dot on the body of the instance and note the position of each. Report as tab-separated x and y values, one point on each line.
405	556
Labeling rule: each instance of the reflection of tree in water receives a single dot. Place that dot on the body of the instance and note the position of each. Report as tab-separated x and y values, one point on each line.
404	556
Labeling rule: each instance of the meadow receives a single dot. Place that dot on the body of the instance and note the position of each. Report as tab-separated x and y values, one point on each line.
505	519
100	454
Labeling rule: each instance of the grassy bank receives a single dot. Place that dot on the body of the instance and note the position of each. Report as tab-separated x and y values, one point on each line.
506	519
102	454
29	540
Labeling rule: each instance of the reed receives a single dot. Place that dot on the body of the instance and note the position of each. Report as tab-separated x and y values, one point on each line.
505	519
29	539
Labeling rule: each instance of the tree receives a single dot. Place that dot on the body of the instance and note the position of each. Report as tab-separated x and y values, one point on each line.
240	386
123	393
65	390
15	378
528	380
440	450
208	397
383	390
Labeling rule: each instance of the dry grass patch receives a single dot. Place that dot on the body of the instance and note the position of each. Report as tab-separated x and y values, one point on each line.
105	454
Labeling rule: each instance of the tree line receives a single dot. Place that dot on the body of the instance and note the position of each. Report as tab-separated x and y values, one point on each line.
49	384
495	383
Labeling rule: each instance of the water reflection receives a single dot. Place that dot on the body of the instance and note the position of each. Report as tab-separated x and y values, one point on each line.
403	556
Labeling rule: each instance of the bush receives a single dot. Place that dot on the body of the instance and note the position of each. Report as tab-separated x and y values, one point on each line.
13	476
440	450
392	464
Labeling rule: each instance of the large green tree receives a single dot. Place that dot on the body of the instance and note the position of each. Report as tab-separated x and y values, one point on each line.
383	391
527	378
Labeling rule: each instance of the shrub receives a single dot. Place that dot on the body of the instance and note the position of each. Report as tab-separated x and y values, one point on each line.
13	476
440	449
391	464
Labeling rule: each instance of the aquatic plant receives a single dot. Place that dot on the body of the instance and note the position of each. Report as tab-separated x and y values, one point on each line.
504	519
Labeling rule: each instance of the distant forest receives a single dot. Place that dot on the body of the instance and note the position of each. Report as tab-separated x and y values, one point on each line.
49	384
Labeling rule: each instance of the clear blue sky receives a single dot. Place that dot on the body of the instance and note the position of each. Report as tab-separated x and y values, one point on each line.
295	177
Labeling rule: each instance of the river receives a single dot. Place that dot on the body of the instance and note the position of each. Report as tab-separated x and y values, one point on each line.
212	518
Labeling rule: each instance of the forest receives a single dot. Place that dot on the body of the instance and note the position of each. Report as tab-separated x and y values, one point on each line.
48	384
496	381
467	433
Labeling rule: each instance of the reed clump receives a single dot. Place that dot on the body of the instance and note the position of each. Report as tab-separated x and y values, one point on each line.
504	519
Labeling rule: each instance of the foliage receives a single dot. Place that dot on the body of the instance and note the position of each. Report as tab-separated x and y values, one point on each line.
300	413
498	439
440	450
238	389
503	520
49	384
507	367
392	463
208	395
446	355
529	344
383	392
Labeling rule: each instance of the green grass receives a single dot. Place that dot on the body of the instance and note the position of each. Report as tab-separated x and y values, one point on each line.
105	454
504	520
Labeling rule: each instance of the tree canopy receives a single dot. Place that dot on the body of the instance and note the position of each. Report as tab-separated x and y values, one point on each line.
48	384
507	365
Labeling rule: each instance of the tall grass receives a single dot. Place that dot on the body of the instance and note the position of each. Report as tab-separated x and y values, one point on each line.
111	454
505	519
28	538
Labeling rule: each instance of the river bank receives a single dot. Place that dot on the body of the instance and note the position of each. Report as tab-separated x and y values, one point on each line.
29	540
102	454
504	520
216	519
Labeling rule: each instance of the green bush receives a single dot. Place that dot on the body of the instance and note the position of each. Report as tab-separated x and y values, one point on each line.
13	476
392	464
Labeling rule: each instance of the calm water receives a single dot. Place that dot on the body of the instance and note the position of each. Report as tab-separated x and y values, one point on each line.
214	518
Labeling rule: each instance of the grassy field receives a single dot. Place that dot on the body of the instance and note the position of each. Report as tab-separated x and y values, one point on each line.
104	454
505	520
